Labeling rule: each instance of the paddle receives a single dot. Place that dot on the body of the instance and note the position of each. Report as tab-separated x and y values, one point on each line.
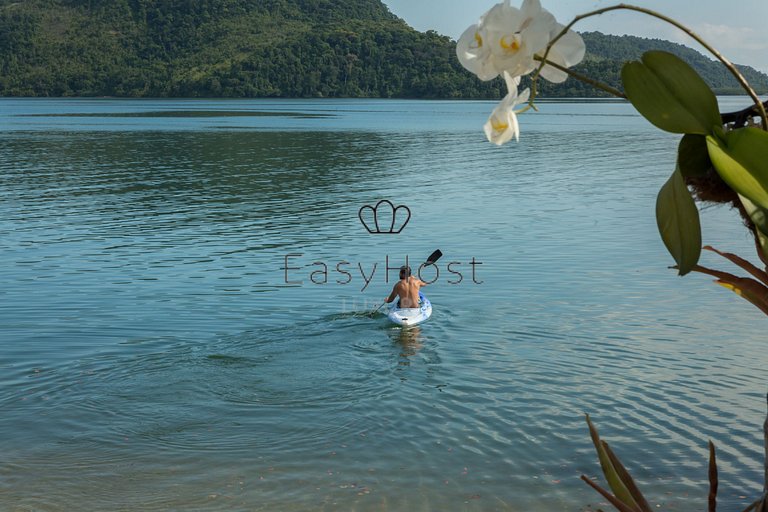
430	260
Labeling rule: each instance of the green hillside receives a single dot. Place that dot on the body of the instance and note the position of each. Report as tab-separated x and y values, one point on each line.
607	53
258	48
230	48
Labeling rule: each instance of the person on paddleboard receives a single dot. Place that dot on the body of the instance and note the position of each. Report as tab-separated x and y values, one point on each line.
407	289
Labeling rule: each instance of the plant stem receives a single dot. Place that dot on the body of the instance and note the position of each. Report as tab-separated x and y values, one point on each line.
584	78
765	435
735	72
713	483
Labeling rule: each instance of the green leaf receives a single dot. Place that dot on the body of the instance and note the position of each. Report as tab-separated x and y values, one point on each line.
678	221
759	217
742	161
693	156
621	507
627	479
670	94
611	475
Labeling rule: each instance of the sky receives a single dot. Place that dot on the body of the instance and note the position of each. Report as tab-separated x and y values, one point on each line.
737	28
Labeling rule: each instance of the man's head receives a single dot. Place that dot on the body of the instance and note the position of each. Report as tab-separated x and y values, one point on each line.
405	272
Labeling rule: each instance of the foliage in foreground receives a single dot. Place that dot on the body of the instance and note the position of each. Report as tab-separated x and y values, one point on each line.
722	157
722	162
625	495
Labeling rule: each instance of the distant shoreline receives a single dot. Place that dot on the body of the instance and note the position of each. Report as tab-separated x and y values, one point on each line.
540	99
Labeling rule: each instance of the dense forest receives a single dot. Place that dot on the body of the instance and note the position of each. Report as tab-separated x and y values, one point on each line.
264	48
607	53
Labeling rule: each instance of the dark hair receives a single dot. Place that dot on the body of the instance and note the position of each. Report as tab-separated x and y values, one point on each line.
405	271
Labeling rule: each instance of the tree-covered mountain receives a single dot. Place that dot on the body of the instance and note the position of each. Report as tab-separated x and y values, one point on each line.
607	53
261	48
244	48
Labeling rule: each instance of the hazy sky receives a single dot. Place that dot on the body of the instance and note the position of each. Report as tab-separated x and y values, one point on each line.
738	28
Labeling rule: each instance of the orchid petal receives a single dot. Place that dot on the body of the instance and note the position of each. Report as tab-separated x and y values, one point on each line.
553	74
502	125
530	8
570	47
501	18
473	54
536	33
464	46
512	82
523	97
515	126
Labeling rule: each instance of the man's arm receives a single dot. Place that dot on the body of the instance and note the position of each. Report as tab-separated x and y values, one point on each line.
392	295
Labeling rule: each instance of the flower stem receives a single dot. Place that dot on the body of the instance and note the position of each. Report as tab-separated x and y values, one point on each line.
584	78
735	72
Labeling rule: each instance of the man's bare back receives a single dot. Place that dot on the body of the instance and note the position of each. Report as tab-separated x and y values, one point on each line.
407	289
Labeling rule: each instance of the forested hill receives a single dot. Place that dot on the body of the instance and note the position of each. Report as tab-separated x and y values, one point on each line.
262	48
232	48
607	53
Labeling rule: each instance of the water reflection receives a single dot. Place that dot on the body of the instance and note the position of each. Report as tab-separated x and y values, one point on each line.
409	339
408	345
265	169
186	113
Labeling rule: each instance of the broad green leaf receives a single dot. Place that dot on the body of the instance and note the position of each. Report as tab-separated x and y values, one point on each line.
670	94
693	156
759	217
678	221
611	475
742	161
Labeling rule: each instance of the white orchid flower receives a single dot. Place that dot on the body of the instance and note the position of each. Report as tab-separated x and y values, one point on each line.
502	125
567	51
506	39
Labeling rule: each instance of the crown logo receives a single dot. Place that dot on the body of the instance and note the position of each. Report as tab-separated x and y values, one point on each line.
383	218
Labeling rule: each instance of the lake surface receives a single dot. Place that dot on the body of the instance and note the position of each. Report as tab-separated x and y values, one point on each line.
165	345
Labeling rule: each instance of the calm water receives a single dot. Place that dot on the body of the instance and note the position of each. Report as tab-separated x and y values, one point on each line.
156	354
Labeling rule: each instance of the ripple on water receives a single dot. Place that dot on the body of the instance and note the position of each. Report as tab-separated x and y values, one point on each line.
352	395
156	353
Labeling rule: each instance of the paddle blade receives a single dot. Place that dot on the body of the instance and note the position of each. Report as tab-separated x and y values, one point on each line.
434	257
